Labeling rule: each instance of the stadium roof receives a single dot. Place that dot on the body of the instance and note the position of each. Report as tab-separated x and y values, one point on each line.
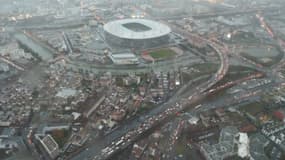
136	29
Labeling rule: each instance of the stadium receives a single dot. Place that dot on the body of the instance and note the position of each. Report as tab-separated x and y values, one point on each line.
136	33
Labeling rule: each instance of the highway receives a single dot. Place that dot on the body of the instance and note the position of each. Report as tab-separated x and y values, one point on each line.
173	106
280	42
225	13
128	133
131	131
237	98
46	54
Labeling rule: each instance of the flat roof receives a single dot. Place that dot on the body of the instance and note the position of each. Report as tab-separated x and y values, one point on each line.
50	143
123	55
118	28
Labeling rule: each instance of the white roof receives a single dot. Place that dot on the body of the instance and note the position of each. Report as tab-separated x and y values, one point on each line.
243	138
75	115
117	29
66	92
243	146
193	120
243	151
123	55
124	58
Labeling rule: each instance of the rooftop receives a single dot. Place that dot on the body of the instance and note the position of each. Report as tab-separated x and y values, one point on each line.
49	143
136	29
123	55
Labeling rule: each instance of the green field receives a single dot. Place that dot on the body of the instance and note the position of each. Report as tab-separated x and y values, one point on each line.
162	54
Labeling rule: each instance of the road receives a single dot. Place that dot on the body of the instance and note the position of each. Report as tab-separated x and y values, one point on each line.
225	13
13	64
173	106
131	131
46	54
252	94
161	66
105	147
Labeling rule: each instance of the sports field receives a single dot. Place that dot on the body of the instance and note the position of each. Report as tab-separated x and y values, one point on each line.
162	53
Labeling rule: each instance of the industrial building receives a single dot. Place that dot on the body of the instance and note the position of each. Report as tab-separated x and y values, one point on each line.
136	33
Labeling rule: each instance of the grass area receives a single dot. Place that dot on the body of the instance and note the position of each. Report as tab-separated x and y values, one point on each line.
61	136
3	154
162	53
253	108
272	60
243	37
146	107
204	69
235	73
257	55
188	153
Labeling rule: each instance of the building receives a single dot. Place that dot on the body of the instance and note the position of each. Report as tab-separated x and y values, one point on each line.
124	59
7	132
258	142
224	149
136	33
243	145
50	146
8	144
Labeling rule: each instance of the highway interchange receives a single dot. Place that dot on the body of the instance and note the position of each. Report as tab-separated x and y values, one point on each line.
129	132
170	108
173	106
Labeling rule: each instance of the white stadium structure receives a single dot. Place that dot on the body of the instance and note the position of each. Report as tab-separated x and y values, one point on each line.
136	33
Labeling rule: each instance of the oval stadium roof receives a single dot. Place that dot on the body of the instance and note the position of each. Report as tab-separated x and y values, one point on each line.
136	29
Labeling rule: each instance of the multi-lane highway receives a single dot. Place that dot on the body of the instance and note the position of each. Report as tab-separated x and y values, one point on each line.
130	132
170	109
47	53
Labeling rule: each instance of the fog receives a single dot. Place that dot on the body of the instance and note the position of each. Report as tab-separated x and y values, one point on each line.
142	79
